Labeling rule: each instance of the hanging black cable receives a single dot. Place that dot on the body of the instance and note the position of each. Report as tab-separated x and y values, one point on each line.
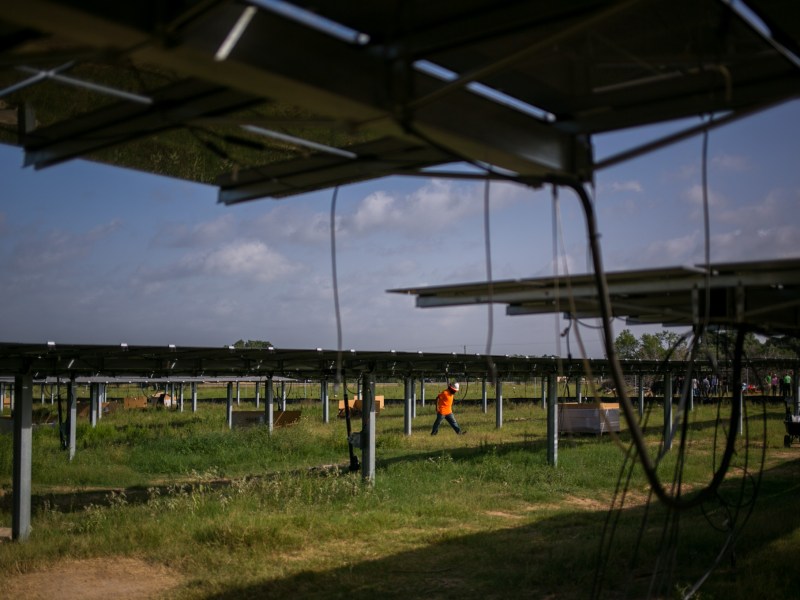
488	251
354	466
335	281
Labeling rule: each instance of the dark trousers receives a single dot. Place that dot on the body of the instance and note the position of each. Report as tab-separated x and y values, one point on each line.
449	418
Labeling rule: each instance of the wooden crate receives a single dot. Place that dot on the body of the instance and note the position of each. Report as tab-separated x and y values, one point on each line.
134	402
250	418
356	406
587	417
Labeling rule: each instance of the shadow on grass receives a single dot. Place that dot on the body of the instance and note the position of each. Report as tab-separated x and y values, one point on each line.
556	557
76	501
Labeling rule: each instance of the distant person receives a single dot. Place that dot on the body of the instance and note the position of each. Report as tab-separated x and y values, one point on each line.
714	385
787	385
774	384
706	387
444	409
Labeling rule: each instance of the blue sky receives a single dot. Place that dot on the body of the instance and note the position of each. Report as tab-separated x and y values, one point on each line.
96	254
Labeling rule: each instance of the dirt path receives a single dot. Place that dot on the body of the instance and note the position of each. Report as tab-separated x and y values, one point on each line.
93	579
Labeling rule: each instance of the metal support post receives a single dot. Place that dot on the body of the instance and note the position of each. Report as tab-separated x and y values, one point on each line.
258	394
578	390
544	391
101	399
407	409
23	452
641	396
552	419
180	396
238	394
498	404
368	430
323	396
72	417
422	390
3	397
52	394
194	396
740	424
691	396
229	406
269	395
413	389
41	394
94	392
484	396
283	395
668	411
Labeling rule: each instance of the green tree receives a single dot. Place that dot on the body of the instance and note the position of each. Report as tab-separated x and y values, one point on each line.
626	345
673	345
782	347
251	344
650	347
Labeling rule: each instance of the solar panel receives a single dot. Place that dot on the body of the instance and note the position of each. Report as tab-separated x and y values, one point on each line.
447	80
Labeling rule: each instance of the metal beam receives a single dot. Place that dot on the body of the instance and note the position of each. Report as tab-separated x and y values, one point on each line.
260	66
120	123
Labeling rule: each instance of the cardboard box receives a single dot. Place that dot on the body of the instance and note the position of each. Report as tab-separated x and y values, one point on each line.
249	418
586	417
355	406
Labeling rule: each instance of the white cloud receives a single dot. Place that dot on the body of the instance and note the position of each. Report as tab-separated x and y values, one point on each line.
248	259
675	251
776	242
695	196
181	235
296	225
44	251
626	186
729	162
567	264
436	205
777	207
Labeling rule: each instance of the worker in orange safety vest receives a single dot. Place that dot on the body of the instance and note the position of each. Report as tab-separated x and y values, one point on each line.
444	409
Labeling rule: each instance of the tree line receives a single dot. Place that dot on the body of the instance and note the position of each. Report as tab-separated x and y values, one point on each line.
714	344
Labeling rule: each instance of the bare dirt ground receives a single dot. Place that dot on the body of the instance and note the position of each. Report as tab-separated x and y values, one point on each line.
93	579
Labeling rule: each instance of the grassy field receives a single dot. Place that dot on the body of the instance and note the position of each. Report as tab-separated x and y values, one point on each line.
242	513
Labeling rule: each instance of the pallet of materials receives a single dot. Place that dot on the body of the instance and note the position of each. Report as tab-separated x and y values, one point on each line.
588	417
248	418
356	406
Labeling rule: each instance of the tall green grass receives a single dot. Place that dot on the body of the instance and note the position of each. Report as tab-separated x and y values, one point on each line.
449	516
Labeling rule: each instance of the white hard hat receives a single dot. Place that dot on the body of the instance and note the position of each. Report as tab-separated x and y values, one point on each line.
454	385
